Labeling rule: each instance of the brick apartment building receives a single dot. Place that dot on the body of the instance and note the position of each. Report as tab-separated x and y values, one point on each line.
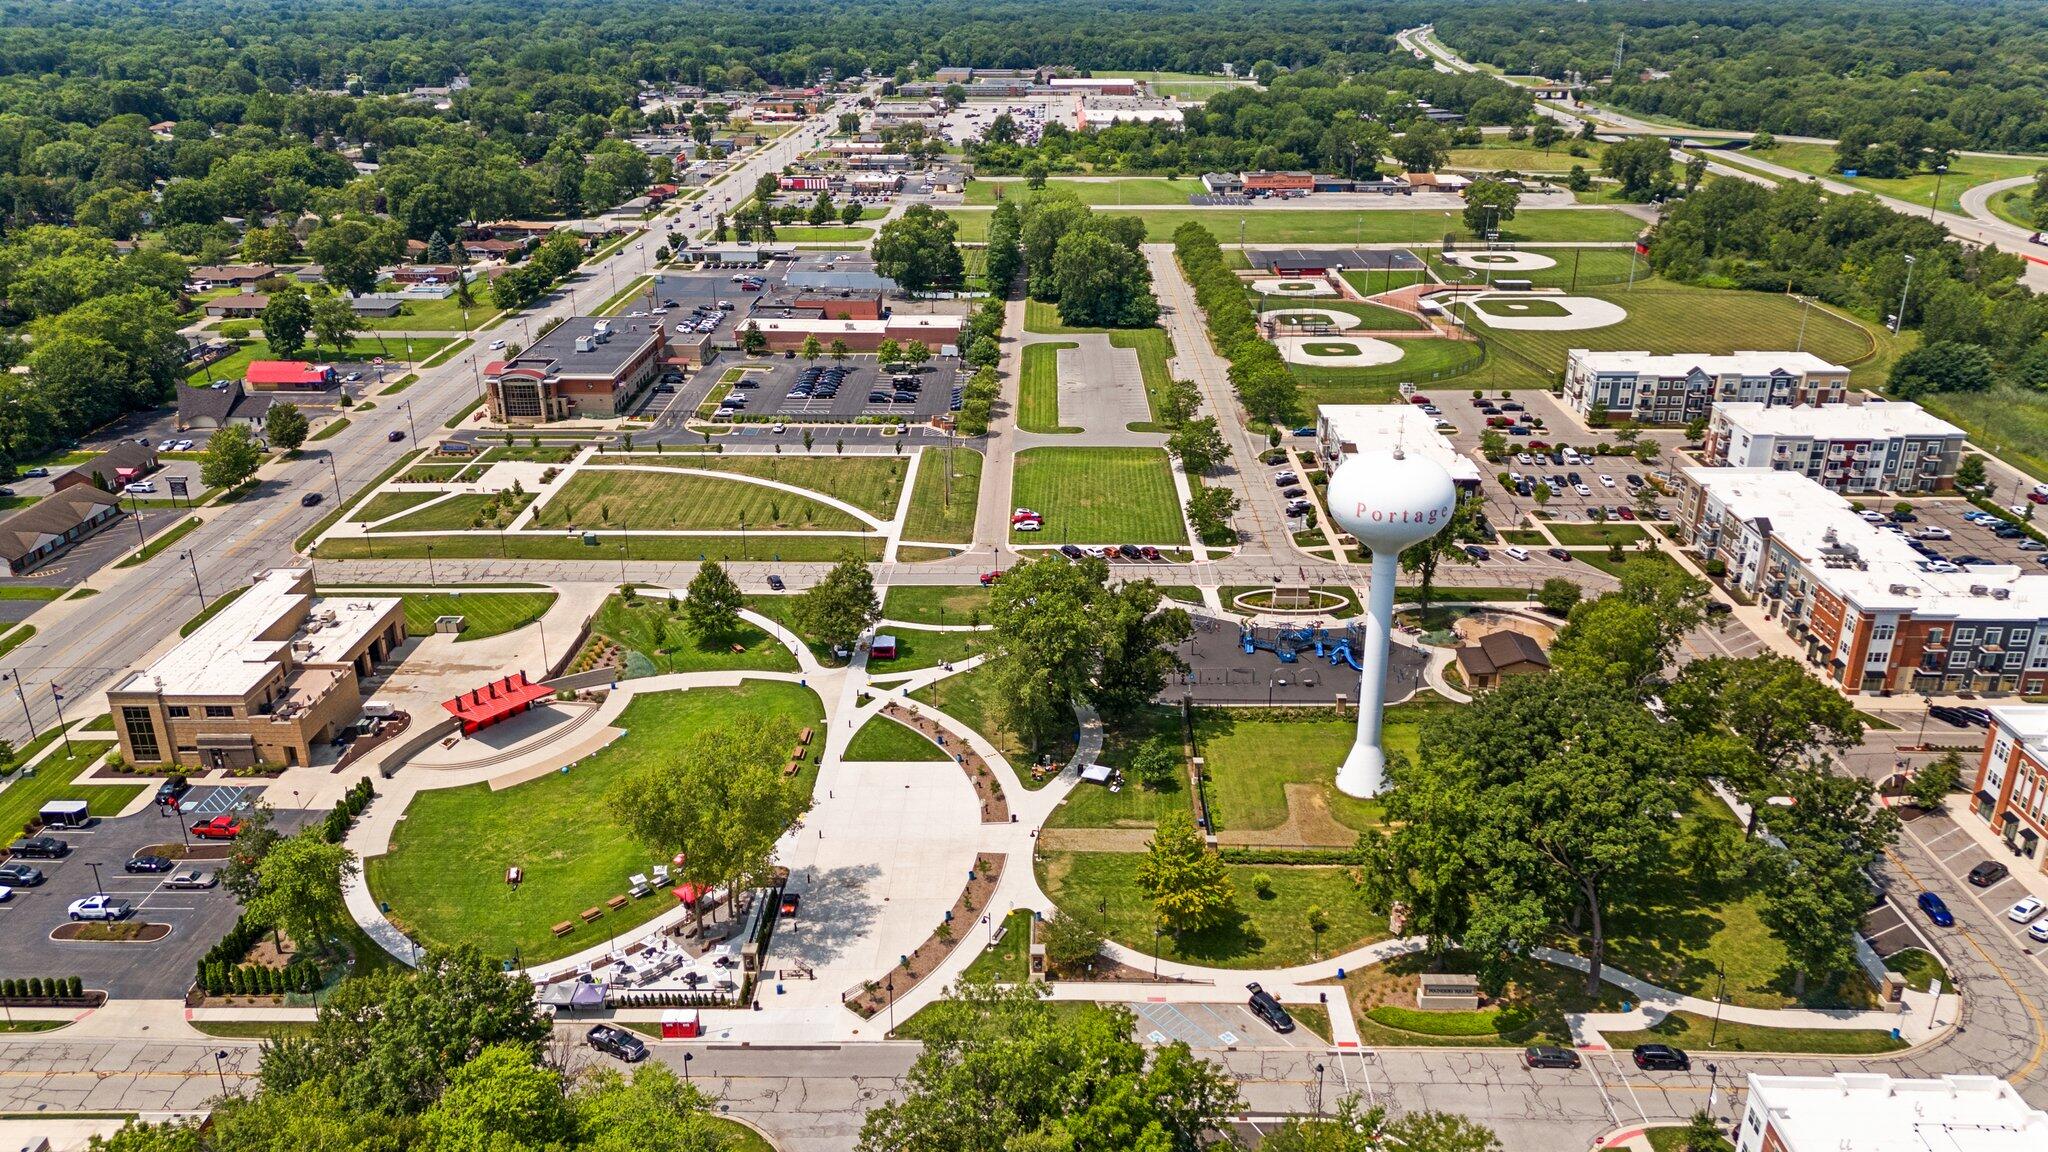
269	677
2010	791
1868	610
589	366
1679	388
1898	447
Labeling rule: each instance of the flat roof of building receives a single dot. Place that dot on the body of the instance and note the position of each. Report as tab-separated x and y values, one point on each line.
1874	569
2028	723
1685	363
623	340
230	654
1873	1112
1837	421
1383	427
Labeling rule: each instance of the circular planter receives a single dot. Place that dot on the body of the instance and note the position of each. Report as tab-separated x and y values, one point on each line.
1325	603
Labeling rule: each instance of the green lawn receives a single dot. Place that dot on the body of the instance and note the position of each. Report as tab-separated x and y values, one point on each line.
917	649
1251	760
1688	1031
432	316
659	499
1499	153
2015	206
1613	567
657	640
1154	348
460	512
485	614
1920	968
1140	804
1269	932
1423	361
361	348
1099	496
1964	173
1043	318
1010	960
1672	1139
610	548
53	781
388	504
1127	190
444	876
935	603
30	592
874	484
1377	317
1365	226
837	233
1535	999
944	500
884	739
1664	317
1578	534
1038	406
970	698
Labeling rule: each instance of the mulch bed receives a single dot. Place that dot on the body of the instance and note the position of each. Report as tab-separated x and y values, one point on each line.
875	995
124	932
995	809
1103	970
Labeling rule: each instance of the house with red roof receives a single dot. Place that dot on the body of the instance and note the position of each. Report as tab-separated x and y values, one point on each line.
287	375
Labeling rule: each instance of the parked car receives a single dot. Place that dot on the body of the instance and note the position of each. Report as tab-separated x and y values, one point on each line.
990	577
1285	479
2026	911
137	487
1268	1009
1932	532
1027	525
1477	552
147	863
100	906
1547	1056
1661	1058
1558	554
20	875
191	880
1072	551
35	473
218	828
171	791
39	848
1988	873
1936	910
617	1042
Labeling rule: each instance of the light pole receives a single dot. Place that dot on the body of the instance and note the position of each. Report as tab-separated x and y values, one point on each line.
335	473
1903	292
431	580
1319	1088
1940	170
23	697
219	1069
408	424
1720	986
687	1057
192	560
98	888
1713	1083
57	695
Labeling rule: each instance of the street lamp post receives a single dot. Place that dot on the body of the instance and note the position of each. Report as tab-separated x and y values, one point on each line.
57	696
98	888
409	424
1940	170
1713	1085
1720	986
1903	293
335	473
1319	1088
687	1057
431	581
23	697
219	1055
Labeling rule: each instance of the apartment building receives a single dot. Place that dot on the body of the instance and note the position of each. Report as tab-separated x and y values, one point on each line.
589	366
1346	429
1870	447
1875	1112
1872	613
1680	388
2010	791
271	676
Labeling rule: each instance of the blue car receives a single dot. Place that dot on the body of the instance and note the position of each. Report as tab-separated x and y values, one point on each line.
1304	432
1936	910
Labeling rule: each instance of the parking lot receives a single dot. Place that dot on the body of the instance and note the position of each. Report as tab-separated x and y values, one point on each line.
832	391
1957	851
1215	1026
197	918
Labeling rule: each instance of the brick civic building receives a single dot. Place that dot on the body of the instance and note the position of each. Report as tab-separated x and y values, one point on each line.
588	366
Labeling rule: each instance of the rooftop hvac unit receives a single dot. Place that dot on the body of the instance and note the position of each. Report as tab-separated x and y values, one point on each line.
1979	590
2001	593
1899	589
585	344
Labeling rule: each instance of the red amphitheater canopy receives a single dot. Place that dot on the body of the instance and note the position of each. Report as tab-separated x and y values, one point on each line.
484	706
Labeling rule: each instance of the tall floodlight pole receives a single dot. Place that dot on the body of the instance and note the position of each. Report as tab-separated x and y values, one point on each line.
1388	501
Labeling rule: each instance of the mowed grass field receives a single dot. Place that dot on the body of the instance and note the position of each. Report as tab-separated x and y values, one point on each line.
1038	406
457	513
1127	190
1500	153
1367	226
1964	172
1253	760
873	484
485	614
53	781
1099	496
1574	268
1664	317
884	739
444	876
656	499
1422	361
610	547
943	512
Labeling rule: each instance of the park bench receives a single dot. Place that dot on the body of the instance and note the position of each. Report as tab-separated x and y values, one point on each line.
804	737
615	903
792	768
564	928
590	914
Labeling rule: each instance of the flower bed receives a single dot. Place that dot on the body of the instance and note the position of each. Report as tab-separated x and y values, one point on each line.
875	995
995	809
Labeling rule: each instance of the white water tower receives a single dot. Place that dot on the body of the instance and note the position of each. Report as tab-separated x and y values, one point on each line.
1388	501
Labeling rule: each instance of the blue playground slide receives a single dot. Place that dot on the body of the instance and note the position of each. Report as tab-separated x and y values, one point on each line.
1340	652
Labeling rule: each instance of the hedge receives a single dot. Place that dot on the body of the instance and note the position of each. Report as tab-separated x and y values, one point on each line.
1265	385
42	988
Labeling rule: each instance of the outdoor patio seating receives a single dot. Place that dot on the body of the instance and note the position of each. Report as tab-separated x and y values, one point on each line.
638	880
661	875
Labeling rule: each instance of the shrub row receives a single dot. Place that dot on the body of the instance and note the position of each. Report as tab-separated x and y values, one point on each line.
234	945
347	809
220	978
1264	383
1292	856
42	988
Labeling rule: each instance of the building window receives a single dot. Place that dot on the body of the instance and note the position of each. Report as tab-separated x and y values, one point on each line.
2021	637
1966	635
141	733
1883	632
1934	635
218	711
1993	635
1955	660
177	711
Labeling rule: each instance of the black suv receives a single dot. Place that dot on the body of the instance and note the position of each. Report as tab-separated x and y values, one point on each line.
20	875
1545	1056
171	791
617	1042
1268	1009
1662	1058
1988	873
39	848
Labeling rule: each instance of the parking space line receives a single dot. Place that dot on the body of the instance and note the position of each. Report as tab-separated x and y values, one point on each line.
1628	1084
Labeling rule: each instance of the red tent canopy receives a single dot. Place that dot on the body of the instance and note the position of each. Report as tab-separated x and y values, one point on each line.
486	705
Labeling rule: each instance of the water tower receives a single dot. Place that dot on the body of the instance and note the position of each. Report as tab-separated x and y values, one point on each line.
1388	501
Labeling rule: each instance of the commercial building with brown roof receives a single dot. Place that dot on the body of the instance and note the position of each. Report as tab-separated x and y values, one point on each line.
45	529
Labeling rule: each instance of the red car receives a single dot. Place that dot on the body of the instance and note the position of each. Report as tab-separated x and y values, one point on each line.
1418	399
218	828
990	577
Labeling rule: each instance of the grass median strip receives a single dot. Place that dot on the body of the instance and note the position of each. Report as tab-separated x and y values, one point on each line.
15	638
162	541
1038	407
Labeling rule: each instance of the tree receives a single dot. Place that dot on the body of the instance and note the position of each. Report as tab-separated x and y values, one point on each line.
712	608
1627	638
1931	783
917	250
1489	203
1753	720
298	888
1970	473
349	251
1424	864
1422	558
982	1083
720	802
1546	134
841	607
1190	890
752	340
849	212
231	456
1564	786
503	1099
1198	445
821	209
812	348
1101	281
1558	596
1641	164
1210	509
888	351
285	426
1070	941
839	350
286	319
917	353
1357	1128
1945	366
1423	148
1762	141
1817	887
1493	445
334	323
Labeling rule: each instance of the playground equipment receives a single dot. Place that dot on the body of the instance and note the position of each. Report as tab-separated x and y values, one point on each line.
1289	643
